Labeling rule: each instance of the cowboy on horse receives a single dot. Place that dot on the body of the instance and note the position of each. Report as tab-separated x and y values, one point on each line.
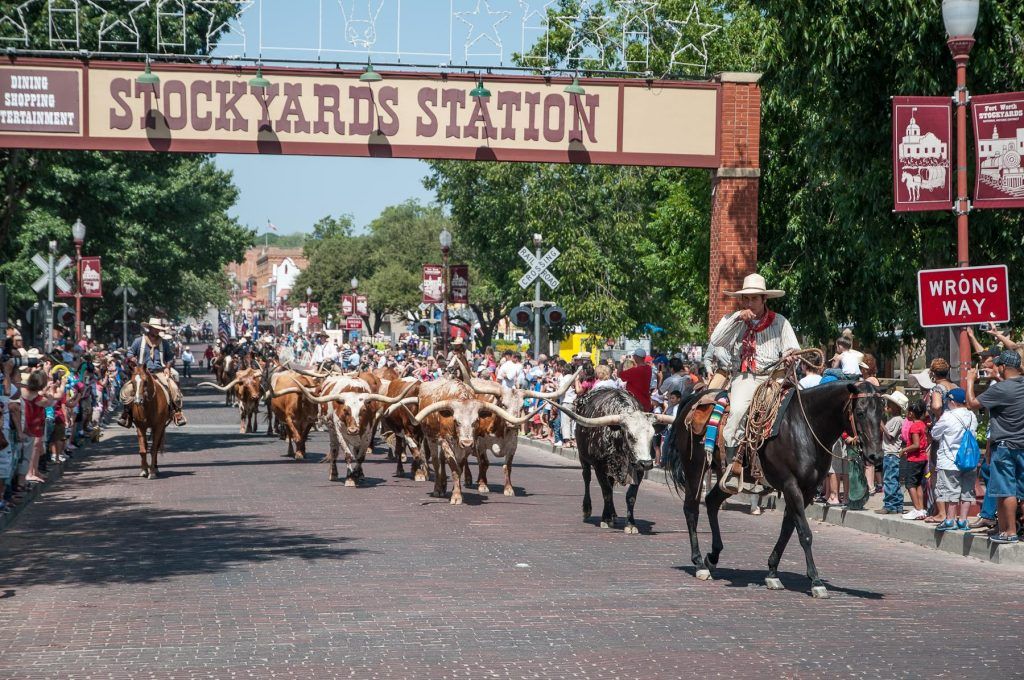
756	338
155	352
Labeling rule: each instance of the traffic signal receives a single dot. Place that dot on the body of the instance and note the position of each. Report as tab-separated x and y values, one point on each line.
422	328
64	316
554	316
521	316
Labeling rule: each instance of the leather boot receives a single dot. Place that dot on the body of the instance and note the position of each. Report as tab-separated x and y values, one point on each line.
732	481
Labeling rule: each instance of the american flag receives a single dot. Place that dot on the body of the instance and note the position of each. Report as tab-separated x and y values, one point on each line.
271	226
224	328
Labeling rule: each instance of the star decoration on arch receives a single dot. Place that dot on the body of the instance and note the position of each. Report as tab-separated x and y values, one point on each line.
589	33
683	43
485	15
116	30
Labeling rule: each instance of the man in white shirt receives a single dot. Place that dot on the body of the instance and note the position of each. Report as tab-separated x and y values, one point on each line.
510	373
755	337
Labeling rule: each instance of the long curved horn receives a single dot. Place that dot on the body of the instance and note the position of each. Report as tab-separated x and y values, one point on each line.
290	390
557	394
407	401
662	418
603	421
300	371
391	400
225	388
491	388
434	408
320	400
494	408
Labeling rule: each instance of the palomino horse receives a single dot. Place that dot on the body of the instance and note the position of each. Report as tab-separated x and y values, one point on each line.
794	462
151	413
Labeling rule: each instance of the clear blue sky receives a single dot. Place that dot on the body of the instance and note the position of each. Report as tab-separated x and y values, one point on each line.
295	191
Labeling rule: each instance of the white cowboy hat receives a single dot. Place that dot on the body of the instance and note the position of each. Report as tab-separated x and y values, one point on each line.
458	342
754	284
157	324
899	399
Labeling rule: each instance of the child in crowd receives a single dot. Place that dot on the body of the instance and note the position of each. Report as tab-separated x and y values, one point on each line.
915	458
892	443
954	488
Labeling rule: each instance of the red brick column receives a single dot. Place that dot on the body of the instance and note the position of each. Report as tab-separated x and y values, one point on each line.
735	191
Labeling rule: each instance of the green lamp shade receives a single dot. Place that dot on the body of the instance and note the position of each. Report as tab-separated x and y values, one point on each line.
370	76
575	88
259	82
480	92
148	78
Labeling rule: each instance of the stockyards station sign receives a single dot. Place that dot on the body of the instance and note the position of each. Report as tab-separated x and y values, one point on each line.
61	104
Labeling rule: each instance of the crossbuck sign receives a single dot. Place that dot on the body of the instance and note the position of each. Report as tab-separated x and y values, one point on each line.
538	268
40	284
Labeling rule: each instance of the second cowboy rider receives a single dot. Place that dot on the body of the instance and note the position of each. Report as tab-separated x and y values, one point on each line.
155	353
756	338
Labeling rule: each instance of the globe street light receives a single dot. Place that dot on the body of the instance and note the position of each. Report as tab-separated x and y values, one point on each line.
309	294
445	239
355	286
961	18
78	235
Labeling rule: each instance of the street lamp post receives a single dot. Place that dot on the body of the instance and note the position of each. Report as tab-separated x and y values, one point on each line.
961	18
446	246
355	286
78	234
309	294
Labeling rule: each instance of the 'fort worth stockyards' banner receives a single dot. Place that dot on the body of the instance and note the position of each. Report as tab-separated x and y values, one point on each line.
62	104
999	136
922	130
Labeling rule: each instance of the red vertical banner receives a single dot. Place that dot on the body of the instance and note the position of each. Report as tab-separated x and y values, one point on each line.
433	284
348	305
91	276
459	284
362	305
999	147
922	136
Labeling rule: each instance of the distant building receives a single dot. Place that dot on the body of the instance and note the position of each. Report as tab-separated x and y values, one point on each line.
267	275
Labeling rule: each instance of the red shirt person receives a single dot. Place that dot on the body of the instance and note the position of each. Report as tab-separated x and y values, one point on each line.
638	379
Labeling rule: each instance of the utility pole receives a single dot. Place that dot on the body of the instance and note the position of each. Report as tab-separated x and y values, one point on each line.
124	291
537	241
50	284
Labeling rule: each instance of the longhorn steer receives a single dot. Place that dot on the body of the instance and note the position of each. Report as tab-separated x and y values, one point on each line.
408	436
449	415
246	391
225	367
296	414
614	438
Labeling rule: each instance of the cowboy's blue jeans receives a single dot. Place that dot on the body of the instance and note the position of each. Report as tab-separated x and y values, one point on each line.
892	499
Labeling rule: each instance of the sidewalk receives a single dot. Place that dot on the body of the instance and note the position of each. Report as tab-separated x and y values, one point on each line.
889	526
54	472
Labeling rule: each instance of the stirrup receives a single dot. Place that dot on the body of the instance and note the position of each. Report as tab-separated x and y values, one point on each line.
732	481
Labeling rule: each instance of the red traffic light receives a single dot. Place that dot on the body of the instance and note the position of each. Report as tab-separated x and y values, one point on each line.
554	316
521	316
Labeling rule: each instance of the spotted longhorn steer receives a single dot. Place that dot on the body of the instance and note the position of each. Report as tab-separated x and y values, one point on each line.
614	437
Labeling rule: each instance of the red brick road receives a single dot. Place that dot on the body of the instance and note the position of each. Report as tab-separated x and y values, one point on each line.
239	562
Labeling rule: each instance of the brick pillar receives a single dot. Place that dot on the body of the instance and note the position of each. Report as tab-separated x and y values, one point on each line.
735	191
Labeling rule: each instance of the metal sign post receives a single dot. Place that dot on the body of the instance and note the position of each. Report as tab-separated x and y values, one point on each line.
125	291
538	272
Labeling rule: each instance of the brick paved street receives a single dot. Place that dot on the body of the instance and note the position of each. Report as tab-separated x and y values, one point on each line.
239	562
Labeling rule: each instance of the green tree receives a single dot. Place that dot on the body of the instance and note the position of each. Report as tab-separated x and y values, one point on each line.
159	220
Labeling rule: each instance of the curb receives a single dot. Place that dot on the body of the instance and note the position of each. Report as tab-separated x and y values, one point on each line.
909	531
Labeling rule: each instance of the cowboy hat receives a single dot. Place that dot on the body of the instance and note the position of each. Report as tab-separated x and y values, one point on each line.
458	342
156	324
899	399
754	284
921	379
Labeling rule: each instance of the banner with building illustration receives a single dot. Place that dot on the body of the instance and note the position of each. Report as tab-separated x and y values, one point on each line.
922	132
999	140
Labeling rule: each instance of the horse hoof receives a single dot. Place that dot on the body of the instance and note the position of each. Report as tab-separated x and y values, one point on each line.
350	482
773	583
509	491
152	475
456	500
820	592
631	529
704	574
607	525
143	474
420	477
483	488
333	478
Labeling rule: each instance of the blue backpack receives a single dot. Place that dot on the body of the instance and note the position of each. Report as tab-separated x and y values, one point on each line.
969	454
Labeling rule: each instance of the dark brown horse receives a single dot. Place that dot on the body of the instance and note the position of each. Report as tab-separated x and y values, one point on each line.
151	413
795	462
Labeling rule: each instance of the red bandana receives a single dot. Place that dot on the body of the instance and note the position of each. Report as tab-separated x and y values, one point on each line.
748	352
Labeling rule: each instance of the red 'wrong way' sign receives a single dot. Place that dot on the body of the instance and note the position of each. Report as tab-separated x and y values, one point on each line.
963	296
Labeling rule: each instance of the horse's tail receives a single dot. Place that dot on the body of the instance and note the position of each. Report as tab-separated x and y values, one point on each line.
674	458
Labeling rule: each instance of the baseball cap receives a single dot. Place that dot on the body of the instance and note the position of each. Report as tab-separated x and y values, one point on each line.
640	352
1007	358
958	395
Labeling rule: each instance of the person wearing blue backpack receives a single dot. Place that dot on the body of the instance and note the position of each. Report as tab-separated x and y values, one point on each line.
957	460
1005	403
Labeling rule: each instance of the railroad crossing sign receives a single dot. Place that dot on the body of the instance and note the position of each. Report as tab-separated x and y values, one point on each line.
121	289
40	284
538	268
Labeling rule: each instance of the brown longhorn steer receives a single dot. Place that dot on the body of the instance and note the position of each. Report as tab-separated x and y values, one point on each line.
408	436
246	390
449	414
293	412
354	405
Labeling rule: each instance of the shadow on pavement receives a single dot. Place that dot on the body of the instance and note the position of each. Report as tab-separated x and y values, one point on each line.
113	541
744	578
